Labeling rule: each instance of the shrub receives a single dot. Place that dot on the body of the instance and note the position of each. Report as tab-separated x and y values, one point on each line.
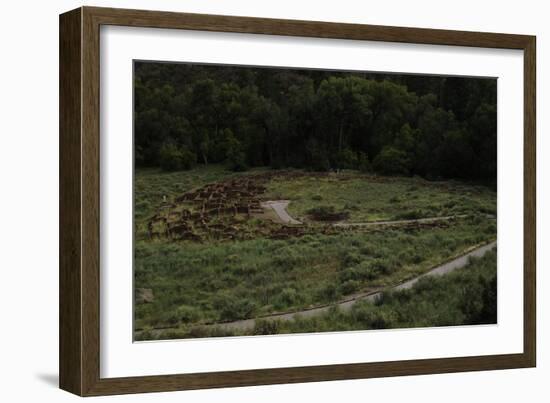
234	152
449	204
348	287
491	228
233	308
364	271
395	199
171	318
329	292
146	334
287	297
174	158
236	162
327	213
347	159
264	326
382	266
187	314
392	161
488	312
409	215
351	258
372	316
363	163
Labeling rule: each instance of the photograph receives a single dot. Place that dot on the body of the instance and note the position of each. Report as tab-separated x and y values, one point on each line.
278	200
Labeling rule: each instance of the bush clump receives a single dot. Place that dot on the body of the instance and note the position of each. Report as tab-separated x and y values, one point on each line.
174	158
409	215
264	326
391	161
232	308
327	213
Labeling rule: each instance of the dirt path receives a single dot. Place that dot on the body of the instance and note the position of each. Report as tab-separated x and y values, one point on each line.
396	222
279	206
346	305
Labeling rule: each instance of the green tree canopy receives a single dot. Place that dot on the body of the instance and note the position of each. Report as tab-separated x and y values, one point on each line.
245	117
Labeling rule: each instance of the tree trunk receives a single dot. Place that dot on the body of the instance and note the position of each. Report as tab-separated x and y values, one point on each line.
340	135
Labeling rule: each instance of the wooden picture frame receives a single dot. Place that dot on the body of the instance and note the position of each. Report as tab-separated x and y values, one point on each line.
79	346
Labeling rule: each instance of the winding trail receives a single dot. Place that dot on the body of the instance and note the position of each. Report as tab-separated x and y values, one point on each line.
397	222
279	207
346	305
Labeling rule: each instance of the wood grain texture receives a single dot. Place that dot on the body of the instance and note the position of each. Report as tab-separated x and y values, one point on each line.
530	202
305	374
79	201
317	29
90	201
70	274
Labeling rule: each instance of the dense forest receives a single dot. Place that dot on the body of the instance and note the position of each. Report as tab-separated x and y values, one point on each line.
395	124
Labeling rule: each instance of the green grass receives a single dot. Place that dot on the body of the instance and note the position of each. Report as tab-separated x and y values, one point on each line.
236	280
464	297
367	198
198	283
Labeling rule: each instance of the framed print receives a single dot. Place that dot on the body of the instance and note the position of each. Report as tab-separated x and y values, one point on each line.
249	201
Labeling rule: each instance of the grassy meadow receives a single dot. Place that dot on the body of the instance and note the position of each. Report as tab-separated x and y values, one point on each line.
197	285
463	297
382	198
